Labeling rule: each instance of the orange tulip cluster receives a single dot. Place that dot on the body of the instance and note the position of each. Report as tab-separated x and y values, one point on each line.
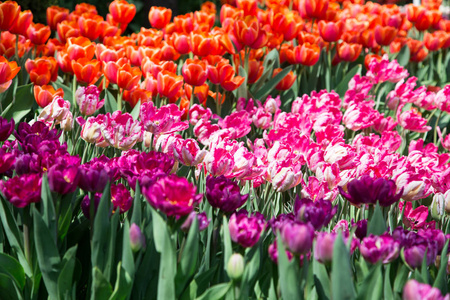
184	55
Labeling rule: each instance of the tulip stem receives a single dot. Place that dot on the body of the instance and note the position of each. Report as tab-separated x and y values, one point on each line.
246	59
17	48
191	102
218	104
119	100
74	90
435	126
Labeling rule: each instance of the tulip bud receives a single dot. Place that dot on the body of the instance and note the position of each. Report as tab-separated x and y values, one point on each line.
137	239
235	266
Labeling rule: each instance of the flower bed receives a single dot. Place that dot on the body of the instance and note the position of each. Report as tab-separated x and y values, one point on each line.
270	149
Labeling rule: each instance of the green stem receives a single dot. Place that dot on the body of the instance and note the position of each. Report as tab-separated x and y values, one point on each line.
192	97
435	126
246	58
218	104
119	100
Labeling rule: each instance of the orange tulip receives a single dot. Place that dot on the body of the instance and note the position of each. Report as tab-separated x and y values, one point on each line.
204	21
249	7
424	20
122	12
287	81
108	30
228	11
194	72
351	37
80	47
312	38
417	50
200	92
133	96
367	39
67	29
223	74
64	62
168	84
8	70
105	54
413	11
159	17
122	74
149	37
56	15
436	40
255	70
208	7
307	54
86	70
204	44
153	68
90	25
22	23
313	9
9	12
369	58
330	31
384	35
294	25
184	23
42	70
348	52
85	8
44	94
249	32
38	33
181	42
168	52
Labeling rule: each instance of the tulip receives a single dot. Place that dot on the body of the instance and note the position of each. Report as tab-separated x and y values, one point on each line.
38	33
86	205
224	193
297	237
194	72
313	9
122	12
120	130
22	190
93	179
86	71
414	290
168	84
318	213
171	194
57	110
22	23
121	198
8	70
246	230
379	248
385	35
80	47
6	128
56	15
159	17
255	71
122	74
88	99
368	190
307	54
63	179
348	52
137	239
44	94
235	266
9	12
249	32
287	81
42	70
7	161
323	249
330	31
90	25
414	252
203	221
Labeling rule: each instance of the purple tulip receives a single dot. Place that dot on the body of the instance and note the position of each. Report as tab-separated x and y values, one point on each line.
86	205
224	193
379	248
276	223
6	128
22	190
137	239
368	190
246	230
93	178
203	221
413	290
37	129
173	195
121	198
297	237
318	213
415	248
6	161
323	249
433	235
273	253
63	179
361	228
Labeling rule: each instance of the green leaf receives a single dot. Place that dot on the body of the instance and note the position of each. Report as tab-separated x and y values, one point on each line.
189	257
342	87
371	287
167	267
215	292
422	72
288	272
127	252
401	278
441	281
321	280
7	288
110	102
341	272
136	110
101	288
47	254
67	90
403	56
388	292
47	207
137	206
21	105
101	234
123	286
377	224
270	85
228	249
65	278
10	266
251	271
241	91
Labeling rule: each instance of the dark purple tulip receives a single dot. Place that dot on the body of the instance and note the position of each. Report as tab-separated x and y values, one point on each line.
246	230
379	248
121	198
435	235
93	178
318	213
203	221
277	223
6	128
273	253
86	204
400	234
63	179
173	195
414	251
297	237
361	228
224	193
22	190
368	190
38	128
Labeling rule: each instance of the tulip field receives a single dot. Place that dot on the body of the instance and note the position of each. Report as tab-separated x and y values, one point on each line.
252	149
